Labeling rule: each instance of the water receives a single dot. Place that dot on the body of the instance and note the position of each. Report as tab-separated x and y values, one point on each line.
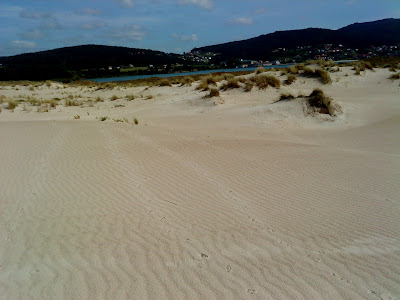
135	77
126	78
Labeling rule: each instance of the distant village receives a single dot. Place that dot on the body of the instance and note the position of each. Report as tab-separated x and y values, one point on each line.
299	54
281	56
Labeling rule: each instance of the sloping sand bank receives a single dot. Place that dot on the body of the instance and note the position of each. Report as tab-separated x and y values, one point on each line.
242	200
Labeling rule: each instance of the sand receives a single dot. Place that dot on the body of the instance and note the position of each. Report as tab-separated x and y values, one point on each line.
233	197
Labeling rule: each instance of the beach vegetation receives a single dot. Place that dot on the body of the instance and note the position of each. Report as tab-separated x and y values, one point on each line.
395	76
231	83
285	97
290	79
104	118
135	121
11	104
262	82
248	86
260	70
213	93
72	103
165	82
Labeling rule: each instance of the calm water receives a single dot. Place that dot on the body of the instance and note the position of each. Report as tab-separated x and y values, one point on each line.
126	78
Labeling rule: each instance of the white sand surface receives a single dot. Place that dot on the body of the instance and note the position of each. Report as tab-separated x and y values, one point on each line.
233	197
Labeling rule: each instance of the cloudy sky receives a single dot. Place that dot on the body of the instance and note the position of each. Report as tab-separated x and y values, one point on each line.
170	25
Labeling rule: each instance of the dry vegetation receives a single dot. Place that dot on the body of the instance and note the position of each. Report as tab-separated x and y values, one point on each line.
319	102
290	79
395	76
231	83
262	82
213	93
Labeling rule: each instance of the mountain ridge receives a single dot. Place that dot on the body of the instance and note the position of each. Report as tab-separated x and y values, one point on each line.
360	35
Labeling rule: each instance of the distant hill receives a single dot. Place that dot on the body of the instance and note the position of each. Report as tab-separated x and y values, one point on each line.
63	62
359	35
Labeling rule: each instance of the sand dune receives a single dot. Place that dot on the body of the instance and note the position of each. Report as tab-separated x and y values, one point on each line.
241	200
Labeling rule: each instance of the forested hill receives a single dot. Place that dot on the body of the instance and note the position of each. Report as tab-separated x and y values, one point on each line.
358	35
62	62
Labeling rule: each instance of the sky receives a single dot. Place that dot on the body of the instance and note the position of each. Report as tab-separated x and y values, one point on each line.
170	25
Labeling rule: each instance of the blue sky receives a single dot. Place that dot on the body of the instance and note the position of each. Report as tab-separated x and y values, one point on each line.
170	25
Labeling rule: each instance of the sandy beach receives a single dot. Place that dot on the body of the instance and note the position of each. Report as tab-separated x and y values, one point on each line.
230	197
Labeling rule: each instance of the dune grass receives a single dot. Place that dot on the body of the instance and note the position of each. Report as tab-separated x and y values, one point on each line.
262	82
290	79
231	83
11	104
260	70
213	93
395	76
248	86
165	82
321	74
285	97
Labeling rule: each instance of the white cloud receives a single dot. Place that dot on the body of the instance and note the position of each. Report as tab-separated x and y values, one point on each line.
34	34
35	15
128	3
193	37
89	11
23	44
260	11
206	4
128	32
92	25
50	25
242	21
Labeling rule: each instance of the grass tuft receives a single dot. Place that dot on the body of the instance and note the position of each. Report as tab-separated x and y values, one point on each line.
260	70
11	104
231	83
165	82
248	86
285	97
395	76
213	93
262	82
290	79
